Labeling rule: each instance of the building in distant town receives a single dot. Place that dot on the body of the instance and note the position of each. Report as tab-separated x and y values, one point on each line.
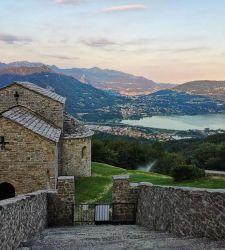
38	140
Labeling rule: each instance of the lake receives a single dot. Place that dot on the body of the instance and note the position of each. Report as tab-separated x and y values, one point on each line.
182	122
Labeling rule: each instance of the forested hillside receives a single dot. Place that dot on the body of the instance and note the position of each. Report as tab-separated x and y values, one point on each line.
205	153
215	89
95	105
83	100
173	102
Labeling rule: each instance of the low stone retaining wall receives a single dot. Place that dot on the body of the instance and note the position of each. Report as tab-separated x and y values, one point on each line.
183	211
60	203
215	173
22	217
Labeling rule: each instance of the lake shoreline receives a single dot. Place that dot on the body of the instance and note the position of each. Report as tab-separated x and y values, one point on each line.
180	122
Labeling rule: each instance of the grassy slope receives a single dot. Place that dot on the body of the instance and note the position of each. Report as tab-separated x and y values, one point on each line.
98	188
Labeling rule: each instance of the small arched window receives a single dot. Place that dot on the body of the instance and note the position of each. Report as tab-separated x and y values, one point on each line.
6	191
84	152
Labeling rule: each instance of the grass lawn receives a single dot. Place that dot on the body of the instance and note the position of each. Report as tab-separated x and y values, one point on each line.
98	188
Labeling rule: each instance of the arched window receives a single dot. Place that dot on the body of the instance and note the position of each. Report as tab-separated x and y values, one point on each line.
6	191
84	152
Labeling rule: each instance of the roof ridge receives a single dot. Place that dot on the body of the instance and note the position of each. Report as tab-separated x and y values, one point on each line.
43	91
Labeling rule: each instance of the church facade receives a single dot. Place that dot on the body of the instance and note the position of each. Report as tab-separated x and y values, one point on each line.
39	141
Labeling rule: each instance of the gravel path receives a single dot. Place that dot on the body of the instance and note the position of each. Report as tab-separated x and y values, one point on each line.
111	237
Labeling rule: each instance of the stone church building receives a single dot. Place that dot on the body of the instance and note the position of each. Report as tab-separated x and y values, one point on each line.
39	141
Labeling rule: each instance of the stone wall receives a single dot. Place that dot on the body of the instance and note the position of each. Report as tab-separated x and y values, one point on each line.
215	173
61	203
25	215
76	157
122	191
21	218
28	162
42	105
124	199
183	211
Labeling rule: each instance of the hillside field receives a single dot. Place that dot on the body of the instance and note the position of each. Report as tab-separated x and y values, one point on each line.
98	187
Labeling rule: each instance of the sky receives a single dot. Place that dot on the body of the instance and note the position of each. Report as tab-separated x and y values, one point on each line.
168	41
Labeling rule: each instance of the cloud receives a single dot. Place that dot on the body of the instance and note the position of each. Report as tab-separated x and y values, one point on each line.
141	41
194	49
61	57
70	1
140	44
183	50
12	39
122	8
99	42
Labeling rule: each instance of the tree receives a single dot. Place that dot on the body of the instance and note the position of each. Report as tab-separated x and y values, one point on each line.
187	172
157	150
206	154
165	164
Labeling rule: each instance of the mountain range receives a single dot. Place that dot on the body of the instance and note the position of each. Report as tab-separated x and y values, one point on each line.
105	79
89	103
117	81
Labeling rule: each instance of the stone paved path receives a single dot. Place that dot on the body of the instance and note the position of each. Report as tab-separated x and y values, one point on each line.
114	237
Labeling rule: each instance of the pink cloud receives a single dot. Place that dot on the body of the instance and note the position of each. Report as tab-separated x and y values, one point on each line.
121	8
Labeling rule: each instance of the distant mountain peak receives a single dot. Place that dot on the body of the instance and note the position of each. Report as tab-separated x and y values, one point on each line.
17	64
96	68
25	64
23	70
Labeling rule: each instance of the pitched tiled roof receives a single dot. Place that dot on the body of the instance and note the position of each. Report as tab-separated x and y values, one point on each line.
42	91
32	122
74	128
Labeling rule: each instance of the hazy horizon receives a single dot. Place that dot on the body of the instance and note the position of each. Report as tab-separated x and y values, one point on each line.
110	69
167	41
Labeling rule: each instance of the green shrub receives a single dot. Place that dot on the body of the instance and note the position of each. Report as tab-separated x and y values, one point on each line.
187	172
165	164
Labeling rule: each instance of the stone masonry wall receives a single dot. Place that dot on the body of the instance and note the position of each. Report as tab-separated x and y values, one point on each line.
42	105
25	215
124	199
122	191
61	203
215	173
76	157
21	218
28	162
183	211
